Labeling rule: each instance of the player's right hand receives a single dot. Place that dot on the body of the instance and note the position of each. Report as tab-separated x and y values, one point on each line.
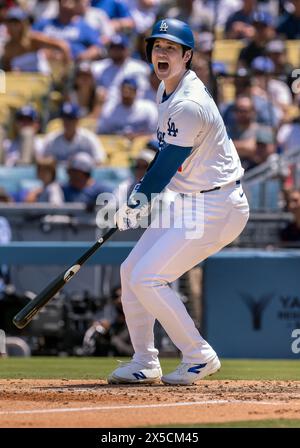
128	218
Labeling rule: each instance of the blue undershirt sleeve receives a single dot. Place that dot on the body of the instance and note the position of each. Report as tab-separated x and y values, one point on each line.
165	166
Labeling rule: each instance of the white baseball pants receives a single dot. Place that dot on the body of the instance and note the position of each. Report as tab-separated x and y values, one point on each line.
160	257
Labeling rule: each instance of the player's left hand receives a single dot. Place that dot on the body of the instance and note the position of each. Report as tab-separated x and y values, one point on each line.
128	218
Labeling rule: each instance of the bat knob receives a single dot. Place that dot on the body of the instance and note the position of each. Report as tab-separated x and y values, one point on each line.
19	323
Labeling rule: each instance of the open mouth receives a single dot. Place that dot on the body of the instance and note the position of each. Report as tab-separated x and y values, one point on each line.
163	66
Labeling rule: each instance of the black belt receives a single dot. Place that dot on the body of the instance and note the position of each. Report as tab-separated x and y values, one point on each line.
237	182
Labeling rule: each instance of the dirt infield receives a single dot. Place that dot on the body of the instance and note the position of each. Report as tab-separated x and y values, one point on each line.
83	404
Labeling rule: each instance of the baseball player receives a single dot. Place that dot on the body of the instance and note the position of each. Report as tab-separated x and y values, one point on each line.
196	158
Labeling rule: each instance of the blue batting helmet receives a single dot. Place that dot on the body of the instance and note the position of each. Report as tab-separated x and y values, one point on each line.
173	30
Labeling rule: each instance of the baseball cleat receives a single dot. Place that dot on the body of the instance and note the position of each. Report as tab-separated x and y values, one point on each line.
190	373
134	373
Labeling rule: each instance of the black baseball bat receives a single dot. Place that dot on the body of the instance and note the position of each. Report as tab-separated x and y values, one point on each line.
29	311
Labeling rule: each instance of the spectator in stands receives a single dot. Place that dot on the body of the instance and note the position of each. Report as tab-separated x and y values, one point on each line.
25	49
73	139
138	48
242	130
118	12
202	69
110	72
266	112
222	10
84	41
242	82
45	9
204	47
131	116
84	92
265	144
3	28
50	191
289	23
194	12
265	86
25	146
291	233
264	31
96	18
217	11
81	187
276	50
239	24
288	137
144	13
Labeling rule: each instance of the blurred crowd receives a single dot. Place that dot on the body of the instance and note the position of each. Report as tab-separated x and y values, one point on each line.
100	83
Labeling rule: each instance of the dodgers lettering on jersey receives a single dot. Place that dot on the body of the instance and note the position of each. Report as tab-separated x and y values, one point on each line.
190	118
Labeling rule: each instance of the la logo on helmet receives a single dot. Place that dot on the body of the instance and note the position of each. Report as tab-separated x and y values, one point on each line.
163	26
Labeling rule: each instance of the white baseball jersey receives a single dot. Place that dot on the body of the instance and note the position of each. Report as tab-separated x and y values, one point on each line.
190	118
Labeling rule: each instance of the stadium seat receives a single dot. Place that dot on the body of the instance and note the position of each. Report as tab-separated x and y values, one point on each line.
114	175
24	177
116	148
119	159
11	178
20	89
227	89
227	51
28	85
293	50
8	104
89	123
138	144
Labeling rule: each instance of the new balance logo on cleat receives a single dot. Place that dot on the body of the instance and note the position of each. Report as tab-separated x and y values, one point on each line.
196	368
133	373
139	376
190	373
